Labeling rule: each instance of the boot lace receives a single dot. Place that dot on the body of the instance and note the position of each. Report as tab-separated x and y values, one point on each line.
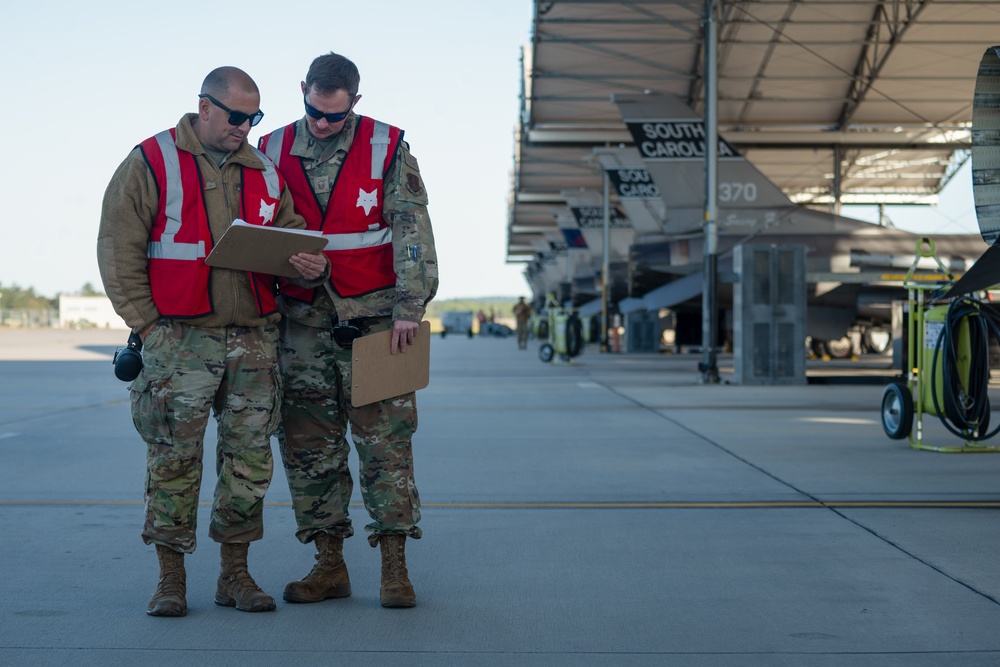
328	560
395	570
242	585
170	586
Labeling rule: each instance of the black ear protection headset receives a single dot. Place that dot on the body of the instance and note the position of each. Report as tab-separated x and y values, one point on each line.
128	359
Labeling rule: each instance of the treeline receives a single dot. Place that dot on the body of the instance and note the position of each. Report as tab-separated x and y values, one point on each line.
14	296
500	305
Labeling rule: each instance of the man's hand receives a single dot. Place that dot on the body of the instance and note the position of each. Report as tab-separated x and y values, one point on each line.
403	334
309	266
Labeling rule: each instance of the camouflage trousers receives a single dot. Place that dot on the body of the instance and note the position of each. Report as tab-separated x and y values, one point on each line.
522	335
187	372
316	412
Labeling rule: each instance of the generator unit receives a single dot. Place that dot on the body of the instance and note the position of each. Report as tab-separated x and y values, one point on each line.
564	332
948	348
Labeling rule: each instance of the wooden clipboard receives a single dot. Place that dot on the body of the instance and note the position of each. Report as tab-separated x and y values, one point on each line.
263	249
377	375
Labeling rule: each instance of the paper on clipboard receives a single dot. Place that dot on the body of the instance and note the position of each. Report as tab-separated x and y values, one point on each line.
377	375
263	249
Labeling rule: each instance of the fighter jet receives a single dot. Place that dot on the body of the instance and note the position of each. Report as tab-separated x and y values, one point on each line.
854	268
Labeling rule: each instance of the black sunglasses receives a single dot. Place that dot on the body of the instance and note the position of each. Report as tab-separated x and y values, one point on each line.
236	118
330	117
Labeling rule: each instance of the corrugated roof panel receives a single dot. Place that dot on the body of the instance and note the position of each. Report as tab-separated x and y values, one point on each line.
883	81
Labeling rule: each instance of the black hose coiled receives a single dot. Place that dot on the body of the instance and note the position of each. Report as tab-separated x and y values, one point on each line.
574	335
966	410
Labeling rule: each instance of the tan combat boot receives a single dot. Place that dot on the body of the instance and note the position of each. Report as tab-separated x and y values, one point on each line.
236	588
168	600
396	590
328	577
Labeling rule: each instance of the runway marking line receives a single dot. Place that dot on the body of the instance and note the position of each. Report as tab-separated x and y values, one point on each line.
919	504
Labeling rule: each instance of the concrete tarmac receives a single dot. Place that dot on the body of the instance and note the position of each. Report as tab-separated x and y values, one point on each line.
612	511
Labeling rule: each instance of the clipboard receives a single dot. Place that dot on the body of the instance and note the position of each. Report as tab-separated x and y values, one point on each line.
263	249
377	375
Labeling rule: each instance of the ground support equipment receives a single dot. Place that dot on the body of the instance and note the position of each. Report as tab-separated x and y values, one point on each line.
947	346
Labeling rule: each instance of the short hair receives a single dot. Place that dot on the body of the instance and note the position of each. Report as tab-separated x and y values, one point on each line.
332	72
221	79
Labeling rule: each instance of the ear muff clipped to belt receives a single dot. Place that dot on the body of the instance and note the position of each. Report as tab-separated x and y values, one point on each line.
128	359
344	333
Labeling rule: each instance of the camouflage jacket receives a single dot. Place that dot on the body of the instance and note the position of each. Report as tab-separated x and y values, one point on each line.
404	209
129	210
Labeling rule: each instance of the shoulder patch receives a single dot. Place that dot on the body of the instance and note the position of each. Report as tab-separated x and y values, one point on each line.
411	161
413	184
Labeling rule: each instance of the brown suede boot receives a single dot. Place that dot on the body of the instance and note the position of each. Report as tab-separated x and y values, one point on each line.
168	600
396	590
328	577
236	588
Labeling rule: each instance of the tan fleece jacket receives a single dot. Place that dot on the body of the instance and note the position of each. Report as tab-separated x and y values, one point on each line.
129	210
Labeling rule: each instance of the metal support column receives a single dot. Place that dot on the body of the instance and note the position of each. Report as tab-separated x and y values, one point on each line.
605	266
837	180
710	310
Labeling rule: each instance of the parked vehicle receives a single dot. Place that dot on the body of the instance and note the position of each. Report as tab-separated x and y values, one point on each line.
456	321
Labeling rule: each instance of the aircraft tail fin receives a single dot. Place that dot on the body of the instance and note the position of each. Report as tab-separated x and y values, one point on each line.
670	138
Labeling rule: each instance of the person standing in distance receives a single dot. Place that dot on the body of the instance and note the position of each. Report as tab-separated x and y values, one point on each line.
209	334
522	313
354	179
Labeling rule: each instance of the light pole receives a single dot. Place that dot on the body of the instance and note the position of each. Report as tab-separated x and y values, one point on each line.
605	265
710	315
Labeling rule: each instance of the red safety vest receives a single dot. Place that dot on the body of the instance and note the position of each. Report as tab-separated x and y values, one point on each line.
181	238
359	242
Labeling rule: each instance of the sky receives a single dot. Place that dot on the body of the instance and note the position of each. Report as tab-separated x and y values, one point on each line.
84	82
955	212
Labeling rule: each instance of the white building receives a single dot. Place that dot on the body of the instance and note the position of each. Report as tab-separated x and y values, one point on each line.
88	312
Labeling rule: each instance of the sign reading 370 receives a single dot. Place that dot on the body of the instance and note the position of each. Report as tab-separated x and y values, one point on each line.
675	140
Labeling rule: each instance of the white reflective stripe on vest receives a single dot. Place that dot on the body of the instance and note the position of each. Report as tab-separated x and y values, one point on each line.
165	248
270	175
273	149
189	251
380	148
357	240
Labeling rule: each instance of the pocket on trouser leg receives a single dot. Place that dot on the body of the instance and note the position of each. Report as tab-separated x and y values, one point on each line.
150	409
277	394
238	505
411	488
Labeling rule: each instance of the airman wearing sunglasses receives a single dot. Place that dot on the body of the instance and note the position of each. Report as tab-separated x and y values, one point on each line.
210	334
354	179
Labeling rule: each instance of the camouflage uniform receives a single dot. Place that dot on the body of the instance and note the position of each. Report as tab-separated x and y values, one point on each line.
316	408
187	371
225	359
316	412
522	311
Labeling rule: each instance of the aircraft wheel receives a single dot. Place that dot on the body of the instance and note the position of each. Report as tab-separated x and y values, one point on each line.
877	340
897	410
815	347
841	348
546	352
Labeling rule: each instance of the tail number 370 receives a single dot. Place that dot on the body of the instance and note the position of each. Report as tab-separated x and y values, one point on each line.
735	192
